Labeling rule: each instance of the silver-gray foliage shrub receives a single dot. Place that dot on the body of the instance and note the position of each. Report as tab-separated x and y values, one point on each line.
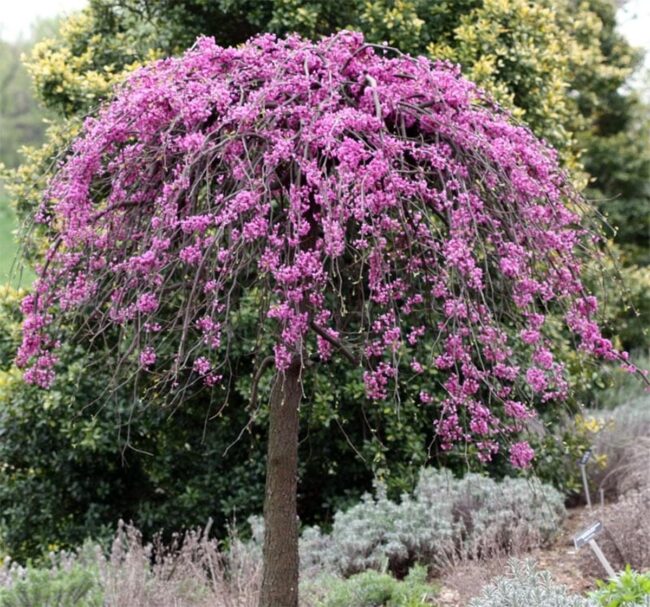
444	521
525	586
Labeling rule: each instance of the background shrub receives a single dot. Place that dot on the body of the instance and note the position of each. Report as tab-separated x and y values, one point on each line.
73	464
446	519
559	447
624	446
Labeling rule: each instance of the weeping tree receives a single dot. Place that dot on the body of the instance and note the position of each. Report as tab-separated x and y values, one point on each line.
374	206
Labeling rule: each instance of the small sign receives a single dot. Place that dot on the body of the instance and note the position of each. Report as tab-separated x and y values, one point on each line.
588	534
586	456
588	537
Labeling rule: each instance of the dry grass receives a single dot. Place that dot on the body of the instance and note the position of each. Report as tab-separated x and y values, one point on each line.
625	442
628	465
465	580
191	572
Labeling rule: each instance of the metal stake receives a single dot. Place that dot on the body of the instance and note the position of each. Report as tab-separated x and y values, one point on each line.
602	558
583	470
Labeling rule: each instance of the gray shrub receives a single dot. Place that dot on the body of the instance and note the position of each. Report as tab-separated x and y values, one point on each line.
446	520
525	586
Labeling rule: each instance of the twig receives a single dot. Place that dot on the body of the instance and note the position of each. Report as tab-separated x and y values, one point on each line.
335	342
256	379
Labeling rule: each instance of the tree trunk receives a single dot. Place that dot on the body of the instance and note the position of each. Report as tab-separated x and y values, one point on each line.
280	572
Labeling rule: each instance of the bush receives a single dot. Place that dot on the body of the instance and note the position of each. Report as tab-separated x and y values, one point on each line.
626	540
73	586
559	446
525	585
624	446
371	589
628	588
445	520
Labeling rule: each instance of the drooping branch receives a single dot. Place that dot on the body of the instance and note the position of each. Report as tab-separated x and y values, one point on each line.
263	366
372	187
337	343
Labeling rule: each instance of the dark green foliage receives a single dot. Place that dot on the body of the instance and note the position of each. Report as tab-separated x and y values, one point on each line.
616	150
74	461
621	164
72	469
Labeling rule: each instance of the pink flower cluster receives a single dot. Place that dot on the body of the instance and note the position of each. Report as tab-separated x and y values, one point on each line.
521	455
380	200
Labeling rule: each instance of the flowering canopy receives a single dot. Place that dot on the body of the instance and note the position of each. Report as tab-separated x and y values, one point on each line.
375	202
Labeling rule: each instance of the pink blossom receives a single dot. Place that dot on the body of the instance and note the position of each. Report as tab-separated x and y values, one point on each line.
530	336
536	379
543	358
516	409
224	174
521	455
202	365
147	303
191	255
148	357
417	367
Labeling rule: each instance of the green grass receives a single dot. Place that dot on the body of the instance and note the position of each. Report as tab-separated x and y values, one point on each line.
10	267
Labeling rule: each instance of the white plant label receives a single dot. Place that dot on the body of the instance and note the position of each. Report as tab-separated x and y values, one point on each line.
586	456
588	534
588	537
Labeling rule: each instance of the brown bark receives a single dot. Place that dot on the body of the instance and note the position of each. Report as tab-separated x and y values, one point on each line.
280	572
